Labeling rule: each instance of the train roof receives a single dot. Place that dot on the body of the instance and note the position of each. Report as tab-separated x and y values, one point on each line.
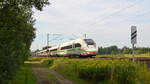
68	43
55	47
73	41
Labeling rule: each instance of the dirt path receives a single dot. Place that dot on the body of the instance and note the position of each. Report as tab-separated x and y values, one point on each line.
59	77
42	75
41	78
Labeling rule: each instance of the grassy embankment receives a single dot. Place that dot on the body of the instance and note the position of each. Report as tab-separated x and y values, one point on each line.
89	71
24	75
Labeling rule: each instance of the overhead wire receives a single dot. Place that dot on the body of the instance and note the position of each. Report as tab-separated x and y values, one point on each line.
108	17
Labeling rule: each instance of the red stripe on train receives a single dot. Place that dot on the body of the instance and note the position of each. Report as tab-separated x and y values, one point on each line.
60	51
90	51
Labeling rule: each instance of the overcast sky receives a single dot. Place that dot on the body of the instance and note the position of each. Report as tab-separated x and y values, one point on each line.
108	22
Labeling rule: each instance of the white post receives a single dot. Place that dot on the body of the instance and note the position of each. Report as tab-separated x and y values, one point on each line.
133	52
133	39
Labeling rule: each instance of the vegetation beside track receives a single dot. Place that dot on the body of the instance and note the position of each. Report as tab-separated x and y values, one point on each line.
92	71
24	75
124	55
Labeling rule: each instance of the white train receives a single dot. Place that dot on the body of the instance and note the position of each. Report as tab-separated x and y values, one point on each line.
78	47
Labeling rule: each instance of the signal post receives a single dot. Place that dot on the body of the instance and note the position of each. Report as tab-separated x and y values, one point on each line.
133	39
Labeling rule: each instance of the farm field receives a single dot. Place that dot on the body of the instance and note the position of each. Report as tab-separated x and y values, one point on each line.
102	71
86	71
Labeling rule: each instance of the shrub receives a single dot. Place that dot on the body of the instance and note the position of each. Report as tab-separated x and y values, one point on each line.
102	71
47	62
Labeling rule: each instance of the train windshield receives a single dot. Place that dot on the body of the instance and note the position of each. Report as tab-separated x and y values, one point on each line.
89	41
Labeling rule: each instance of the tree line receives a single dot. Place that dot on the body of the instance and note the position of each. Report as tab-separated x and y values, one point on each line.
16	34
125	50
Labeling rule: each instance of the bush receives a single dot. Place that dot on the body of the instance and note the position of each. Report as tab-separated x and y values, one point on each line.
120	72
47	62
102	71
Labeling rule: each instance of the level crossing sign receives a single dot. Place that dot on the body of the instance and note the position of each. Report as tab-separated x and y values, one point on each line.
133	34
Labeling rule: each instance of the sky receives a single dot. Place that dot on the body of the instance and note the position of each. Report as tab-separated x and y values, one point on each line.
107	22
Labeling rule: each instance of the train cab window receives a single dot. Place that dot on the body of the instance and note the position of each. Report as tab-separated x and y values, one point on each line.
89	41
77	45
66	47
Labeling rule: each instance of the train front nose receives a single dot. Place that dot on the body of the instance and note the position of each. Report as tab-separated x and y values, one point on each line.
90	47
91	51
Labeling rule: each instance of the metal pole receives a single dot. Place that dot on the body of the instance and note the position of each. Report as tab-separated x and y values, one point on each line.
133	52
85	36
47	39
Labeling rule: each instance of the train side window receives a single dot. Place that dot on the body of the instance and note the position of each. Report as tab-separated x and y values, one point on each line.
54	50
66	47
77	45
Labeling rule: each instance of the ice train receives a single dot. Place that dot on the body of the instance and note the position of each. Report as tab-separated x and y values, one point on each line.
78	47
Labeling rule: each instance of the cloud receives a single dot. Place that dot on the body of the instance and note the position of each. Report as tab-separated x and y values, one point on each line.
106	21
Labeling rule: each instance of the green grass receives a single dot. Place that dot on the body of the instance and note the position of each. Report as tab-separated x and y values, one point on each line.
67	70
64	70
36	58
24	75
49	76
101	71
92	71
47	62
